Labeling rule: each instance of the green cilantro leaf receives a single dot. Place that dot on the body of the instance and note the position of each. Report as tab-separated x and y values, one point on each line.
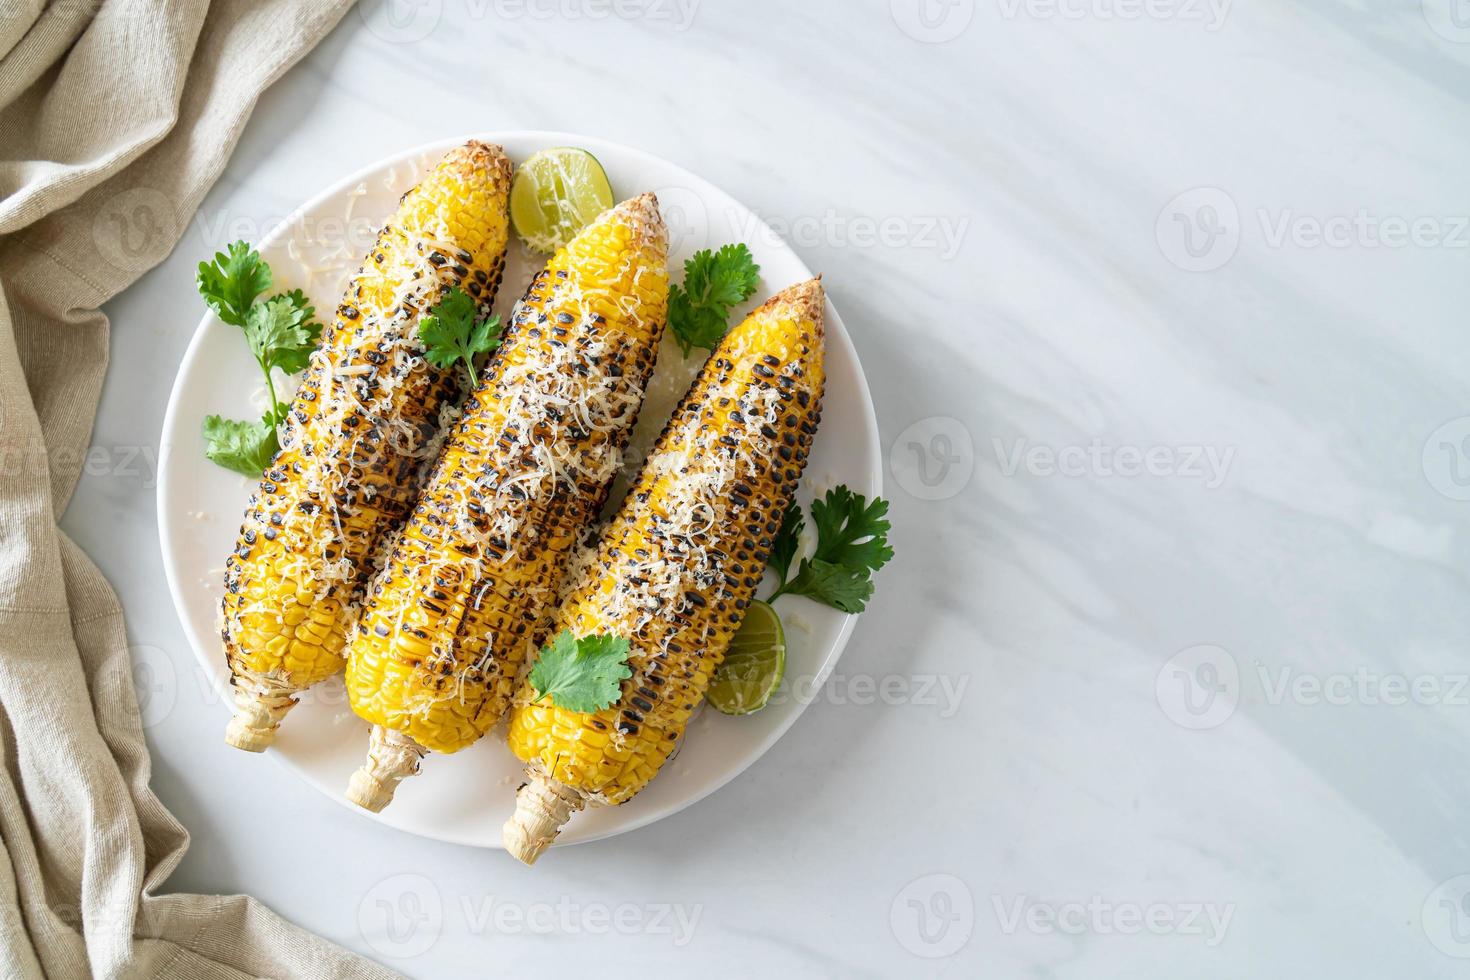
787	539
848	589
852	544
231	282
282	333
713	283
730	277
245	447
581	674
305	319
694	326
851	531
450	332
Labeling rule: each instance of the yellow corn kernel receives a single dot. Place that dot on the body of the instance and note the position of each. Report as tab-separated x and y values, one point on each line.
467	587
351	446
678	565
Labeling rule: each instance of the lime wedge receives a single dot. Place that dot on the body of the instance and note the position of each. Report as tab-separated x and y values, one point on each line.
555	194
753	665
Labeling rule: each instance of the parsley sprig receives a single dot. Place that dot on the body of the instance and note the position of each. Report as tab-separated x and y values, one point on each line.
451	333
581	674
282	331
714	282
852	544
240	445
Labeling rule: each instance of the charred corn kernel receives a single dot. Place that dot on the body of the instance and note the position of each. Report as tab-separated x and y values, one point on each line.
677	567
468	586
354	442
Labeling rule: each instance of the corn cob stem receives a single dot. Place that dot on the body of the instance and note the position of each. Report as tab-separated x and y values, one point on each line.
543	807
261	701
392	758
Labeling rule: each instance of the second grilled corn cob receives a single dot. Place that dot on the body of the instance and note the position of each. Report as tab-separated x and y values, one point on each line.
678	566
359	427
467	588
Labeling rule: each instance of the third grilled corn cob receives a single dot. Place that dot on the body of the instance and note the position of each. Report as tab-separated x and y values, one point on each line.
469	585
358	430
678	566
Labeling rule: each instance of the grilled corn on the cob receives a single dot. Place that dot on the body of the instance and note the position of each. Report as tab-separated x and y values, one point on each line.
470	584
678	566
359	427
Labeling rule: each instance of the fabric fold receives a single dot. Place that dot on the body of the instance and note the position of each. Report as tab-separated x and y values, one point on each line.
118	117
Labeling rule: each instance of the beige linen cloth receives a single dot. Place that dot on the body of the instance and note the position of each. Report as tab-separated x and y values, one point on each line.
115	117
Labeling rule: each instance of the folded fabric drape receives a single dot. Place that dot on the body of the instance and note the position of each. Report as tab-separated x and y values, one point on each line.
115	119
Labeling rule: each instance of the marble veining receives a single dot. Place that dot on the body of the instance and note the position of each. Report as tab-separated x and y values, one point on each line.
1162	304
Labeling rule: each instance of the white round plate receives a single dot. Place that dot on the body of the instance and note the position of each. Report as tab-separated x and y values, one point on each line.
464	798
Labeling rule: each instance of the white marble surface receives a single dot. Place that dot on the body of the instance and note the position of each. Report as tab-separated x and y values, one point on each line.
996	217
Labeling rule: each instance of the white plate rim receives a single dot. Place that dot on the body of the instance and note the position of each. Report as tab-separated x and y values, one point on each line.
211	658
